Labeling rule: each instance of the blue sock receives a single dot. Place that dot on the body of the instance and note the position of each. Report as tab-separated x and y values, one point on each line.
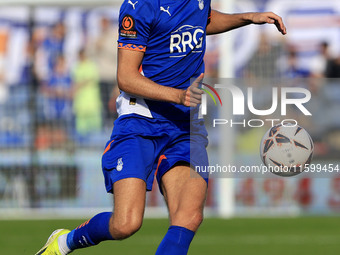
176	241
91	232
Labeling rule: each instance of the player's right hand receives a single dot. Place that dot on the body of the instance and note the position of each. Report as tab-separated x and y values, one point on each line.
192	96
270	18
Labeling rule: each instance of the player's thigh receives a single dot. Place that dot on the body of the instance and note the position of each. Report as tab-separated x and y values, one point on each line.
129	204
185	193
128	157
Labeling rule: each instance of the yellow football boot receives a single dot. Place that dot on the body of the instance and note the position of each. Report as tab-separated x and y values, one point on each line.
51	247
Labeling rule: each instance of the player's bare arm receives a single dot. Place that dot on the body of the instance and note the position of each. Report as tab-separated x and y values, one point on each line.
131	81
222	22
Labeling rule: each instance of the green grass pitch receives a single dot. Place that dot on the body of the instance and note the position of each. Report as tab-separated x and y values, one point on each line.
279	236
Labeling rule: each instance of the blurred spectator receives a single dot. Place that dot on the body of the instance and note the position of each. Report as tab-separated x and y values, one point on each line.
87	105
263	63
3	51
57	108
58	92
28	69
333	68
211	58
291	67
319	63
49	50
103	51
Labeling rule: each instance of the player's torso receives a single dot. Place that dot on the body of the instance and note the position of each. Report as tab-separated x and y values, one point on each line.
176	46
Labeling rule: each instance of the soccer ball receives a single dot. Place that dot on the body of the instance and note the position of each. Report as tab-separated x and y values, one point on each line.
286	150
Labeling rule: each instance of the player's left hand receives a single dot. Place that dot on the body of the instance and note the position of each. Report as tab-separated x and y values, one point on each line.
270	18
192	96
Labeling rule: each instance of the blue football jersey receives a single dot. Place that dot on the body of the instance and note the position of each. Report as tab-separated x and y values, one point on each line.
172	35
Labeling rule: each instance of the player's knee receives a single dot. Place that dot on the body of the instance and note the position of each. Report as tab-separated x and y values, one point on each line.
189	219
197	219
125	228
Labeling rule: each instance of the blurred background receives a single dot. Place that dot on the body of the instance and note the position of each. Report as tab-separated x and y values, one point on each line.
58	89
57	107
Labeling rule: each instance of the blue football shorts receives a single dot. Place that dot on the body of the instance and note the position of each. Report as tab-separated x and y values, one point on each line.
142	147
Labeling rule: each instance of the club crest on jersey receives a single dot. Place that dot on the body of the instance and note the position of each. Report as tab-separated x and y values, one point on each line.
119	164
201	4
127	27
185	39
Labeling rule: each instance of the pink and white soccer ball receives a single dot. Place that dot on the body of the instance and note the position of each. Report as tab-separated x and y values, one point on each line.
286	150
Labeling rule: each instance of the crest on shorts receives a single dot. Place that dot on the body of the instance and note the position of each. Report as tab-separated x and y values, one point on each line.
201	4
119	164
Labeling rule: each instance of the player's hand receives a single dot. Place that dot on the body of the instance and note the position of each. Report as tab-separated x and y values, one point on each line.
192	96
270	18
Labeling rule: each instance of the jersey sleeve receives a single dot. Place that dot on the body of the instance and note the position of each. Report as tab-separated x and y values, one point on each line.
136	19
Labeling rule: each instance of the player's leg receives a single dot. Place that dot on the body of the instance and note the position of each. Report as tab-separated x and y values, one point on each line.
185	192
127	164
129	203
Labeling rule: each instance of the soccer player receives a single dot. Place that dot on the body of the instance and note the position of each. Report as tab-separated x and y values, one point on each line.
161	48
